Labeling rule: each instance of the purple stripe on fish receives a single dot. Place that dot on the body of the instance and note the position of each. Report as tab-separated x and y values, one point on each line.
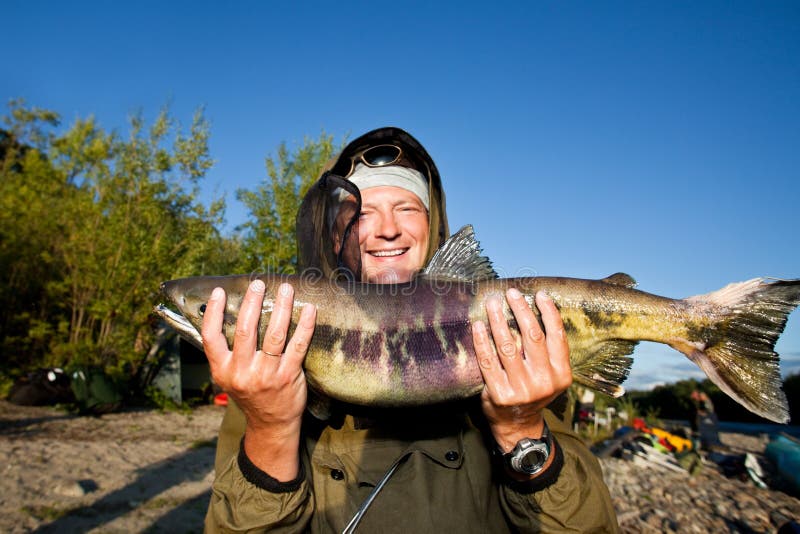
371	347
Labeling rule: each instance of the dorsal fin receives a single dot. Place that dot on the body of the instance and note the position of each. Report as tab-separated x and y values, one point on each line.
620	279
459	258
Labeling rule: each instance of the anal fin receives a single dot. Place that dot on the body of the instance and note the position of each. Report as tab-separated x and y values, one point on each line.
606	368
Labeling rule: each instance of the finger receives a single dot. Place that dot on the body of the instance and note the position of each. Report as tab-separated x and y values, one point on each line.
278	327
488	362
557	344
298	346
533	338
214	342
246	335
506	343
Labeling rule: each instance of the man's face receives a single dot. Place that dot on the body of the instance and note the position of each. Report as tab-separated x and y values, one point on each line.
392	235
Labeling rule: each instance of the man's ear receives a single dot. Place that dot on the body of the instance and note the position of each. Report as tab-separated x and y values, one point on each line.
347	210
337	240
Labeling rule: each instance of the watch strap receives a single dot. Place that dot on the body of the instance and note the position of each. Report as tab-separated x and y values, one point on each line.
545	478
510	457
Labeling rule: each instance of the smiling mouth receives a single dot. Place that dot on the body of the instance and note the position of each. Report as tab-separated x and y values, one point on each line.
388	253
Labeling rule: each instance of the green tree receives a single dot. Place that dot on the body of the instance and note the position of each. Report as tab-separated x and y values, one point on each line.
791	386
93	223
671	401
269	235
31	194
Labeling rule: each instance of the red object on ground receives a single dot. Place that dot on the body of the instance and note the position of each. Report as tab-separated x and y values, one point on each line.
221	399
666	444
639	424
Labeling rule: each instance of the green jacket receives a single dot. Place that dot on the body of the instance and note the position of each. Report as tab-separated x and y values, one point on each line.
447	484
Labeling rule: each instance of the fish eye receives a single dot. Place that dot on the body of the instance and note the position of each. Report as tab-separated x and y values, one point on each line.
202	309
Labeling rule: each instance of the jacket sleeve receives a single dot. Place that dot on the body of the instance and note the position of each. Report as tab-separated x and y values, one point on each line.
576	500
246	499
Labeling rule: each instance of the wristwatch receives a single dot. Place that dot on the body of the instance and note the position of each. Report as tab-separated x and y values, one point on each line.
529	454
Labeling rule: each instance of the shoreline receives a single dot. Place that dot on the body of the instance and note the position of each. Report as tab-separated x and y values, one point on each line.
149	470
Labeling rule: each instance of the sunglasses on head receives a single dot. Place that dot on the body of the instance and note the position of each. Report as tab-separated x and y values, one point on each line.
381	156
378	156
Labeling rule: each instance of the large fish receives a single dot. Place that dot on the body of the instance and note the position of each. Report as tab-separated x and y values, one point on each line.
411	344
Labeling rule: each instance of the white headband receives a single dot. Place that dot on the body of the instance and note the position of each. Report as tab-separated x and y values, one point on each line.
391	175
365	177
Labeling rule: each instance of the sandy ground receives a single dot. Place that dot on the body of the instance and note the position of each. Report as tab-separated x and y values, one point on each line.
150	471
128	472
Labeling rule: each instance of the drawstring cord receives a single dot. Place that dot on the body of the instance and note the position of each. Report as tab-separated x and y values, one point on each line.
351	526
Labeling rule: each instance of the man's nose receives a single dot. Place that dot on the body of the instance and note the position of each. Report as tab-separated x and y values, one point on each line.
389	229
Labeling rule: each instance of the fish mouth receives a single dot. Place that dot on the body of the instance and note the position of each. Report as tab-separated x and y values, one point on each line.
169	290
389	253
181	324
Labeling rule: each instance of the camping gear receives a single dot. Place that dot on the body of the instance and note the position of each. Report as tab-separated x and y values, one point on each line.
95	392
784	452
42	387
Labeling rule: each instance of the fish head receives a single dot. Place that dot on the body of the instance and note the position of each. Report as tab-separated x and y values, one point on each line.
190	296
187	298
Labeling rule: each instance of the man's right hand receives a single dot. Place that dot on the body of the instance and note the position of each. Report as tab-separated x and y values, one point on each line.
268	384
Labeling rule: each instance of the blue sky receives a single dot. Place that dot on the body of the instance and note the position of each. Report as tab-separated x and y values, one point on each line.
580	139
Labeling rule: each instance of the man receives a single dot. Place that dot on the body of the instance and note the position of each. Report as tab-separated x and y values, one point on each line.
506	465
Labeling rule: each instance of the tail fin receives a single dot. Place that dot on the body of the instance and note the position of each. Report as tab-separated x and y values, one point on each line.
737	350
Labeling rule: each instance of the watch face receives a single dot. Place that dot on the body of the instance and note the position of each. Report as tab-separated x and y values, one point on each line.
532	460
528	456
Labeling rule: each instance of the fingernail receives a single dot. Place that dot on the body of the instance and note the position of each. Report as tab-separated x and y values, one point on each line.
285	290
217	294
513	293
257	286
542	295
478	327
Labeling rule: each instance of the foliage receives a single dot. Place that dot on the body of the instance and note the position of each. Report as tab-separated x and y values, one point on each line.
667	402
90	223
269	235
606	414
627	410
163	402
791	386
673	401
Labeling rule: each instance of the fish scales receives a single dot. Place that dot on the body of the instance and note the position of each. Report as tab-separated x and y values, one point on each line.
420	350
411	344
596	312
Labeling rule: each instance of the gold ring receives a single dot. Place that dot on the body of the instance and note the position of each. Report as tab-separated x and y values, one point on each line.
270	354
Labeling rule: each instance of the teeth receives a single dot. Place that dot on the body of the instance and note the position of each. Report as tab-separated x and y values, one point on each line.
385	253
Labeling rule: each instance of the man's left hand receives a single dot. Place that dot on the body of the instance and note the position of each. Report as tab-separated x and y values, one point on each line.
528	370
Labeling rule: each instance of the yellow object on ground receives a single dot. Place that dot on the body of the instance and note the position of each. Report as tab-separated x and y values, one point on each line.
680	444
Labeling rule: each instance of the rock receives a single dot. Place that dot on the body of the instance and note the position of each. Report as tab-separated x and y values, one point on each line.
124	451
77	488
70	489
650	500
628	516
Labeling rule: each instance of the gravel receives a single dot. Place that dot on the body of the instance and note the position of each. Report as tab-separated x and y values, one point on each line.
151	471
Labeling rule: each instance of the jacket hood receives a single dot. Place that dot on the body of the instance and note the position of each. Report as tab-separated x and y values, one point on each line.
314	232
